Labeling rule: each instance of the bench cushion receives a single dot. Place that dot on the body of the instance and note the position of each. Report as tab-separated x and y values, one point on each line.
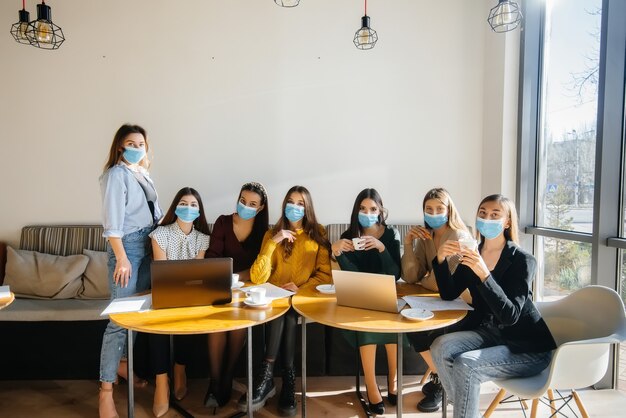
54	310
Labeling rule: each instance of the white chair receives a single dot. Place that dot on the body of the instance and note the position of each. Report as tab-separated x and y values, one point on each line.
584	325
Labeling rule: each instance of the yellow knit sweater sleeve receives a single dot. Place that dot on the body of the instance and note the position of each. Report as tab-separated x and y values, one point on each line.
262	267
321	273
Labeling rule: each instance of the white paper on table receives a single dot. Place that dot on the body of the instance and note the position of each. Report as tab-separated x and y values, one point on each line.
271	291
129	304
5	292
437	304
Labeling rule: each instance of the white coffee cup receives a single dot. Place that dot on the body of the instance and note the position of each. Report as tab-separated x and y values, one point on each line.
257	295
234	280
358	243
468	243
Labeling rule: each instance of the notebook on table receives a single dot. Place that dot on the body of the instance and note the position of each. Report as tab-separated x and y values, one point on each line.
196	282
367	291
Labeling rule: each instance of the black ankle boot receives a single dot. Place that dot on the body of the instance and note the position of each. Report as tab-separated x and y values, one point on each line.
287	402
262	389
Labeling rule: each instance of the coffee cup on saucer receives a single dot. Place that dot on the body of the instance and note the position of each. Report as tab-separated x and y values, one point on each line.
234	280
256	295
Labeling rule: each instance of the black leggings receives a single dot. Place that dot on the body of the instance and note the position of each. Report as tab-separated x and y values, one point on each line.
159	351
282	329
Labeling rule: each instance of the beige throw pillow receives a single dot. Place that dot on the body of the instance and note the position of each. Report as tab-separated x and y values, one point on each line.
96	277
44	276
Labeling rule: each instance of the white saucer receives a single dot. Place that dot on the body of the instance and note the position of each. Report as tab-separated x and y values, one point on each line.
417	314
251	304
237	285
329	289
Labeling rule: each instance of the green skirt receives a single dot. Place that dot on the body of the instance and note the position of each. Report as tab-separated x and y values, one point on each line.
358	339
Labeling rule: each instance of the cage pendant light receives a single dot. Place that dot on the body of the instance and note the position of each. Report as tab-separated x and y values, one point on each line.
19	30
42	32
366	37
287	3
505	17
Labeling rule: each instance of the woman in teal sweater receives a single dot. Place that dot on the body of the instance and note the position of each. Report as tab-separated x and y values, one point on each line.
378	251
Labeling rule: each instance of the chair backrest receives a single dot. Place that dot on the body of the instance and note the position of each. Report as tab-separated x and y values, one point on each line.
591	313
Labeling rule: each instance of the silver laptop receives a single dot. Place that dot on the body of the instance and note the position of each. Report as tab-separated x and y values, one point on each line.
196	282
367	291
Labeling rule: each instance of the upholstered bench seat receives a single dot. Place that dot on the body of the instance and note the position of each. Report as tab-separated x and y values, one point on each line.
54	310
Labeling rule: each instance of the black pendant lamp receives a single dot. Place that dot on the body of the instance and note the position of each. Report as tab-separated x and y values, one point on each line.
19	30
287	3
366	37
505	17
42	32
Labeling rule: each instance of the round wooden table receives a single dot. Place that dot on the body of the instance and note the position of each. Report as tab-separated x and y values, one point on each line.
4	302
323	308
199	320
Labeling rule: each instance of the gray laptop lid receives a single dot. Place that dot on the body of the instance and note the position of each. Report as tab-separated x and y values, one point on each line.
366	290
196	282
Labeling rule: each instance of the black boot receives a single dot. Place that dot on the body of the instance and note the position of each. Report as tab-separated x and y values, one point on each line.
262	388
434	395
287	402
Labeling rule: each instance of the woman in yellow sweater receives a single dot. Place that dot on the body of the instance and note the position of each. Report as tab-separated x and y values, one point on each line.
294	254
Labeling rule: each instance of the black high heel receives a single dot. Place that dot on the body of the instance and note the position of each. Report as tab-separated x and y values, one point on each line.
391	397
375	408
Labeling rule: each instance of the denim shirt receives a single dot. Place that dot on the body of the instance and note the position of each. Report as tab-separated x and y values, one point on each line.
124	205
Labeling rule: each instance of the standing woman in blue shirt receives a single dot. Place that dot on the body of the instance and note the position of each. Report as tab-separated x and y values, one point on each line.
130	209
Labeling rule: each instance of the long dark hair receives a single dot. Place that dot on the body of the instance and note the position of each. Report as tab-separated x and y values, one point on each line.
309	222
355	228
170	217
116	151
262	219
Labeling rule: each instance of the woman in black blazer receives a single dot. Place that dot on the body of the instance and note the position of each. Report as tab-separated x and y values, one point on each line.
511	340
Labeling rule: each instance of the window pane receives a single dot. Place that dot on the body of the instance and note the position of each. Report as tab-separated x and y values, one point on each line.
562	267
621	380
567	131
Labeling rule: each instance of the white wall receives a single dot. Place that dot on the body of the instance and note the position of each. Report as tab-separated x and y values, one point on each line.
239	90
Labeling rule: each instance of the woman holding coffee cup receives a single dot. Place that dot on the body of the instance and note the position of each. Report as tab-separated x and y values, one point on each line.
294	254
370	246
239	236
511	338
442	224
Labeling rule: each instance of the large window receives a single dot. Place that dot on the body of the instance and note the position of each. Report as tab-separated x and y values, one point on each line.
572	152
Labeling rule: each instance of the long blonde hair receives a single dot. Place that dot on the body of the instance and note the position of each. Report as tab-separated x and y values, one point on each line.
512	232
454	220
117	146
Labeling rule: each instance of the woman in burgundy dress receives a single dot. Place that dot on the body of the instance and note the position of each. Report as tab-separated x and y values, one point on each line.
239	236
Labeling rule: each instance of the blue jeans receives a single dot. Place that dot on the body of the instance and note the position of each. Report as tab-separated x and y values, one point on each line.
466	359
137	247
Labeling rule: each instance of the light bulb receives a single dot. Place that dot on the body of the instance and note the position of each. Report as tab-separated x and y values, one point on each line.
364	36
505	15
43	31
21	31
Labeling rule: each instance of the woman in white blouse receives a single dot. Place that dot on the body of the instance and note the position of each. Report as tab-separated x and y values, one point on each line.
182	235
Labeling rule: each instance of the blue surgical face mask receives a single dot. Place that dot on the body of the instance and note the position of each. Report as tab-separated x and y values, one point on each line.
245	212
367	219
436	221
294	212
490	228
134	155
187	213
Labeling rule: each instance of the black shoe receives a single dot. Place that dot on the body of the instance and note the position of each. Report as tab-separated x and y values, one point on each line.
262	389
433	385
287	401
391	397
432	402
376	408
225	392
